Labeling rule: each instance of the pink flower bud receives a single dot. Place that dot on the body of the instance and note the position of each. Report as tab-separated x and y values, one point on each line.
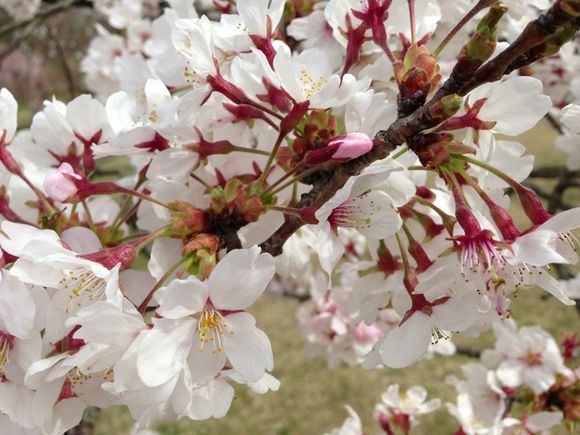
350	146
60	185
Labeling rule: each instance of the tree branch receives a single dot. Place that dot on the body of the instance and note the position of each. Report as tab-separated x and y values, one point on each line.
423	118
46	12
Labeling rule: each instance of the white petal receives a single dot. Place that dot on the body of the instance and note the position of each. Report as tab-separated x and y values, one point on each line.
510	373
543	420
205	364
537	248
164	349
211	400
182	297
8	114
17	306
551	285
382	221
563	222
248	348
81	240
240	278
407	343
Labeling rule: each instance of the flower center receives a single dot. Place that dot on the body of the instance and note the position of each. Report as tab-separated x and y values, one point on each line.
75	379
308	85
211	326
83	286
480	252
350	215
533	358
6	344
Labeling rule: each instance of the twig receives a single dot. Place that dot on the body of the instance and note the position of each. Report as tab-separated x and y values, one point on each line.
43	14
17	42
466	351
70	80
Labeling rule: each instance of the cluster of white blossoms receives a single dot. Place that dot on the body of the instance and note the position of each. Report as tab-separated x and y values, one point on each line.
256	136
525	372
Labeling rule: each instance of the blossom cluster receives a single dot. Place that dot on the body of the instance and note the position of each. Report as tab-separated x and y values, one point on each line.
520	386
133	288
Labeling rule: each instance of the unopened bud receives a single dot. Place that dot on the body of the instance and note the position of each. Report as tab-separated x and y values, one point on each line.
425	193
481	45
341	149
293	118
63	184
532	204
186	219
245	112
504	222
350	146
220	84
204	241
124	255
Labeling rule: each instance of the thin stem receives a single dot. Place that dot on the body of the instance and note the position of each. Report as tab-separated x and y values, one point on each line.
250	150
487	167
89	216
45	202
73	210
284	177
122	215
287	210
159	283
131	237
148	238
200	181
295	180
455	187
126	206
265	109
142	195
271	157
432	206
389	54
479	6
419	168
400	152
411	4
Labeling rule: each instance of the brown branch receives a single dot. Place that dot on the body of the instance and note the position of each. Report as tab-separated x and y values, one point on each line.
42	14
554	123
68	73
553	172
467	351
17	41
425	117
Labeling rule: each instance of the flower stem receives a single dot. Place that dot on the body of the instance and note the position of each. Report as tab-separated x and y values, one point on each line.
250	150
480	5
271	157
89	216
400	152
487	167
295	180
159	283
284	177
